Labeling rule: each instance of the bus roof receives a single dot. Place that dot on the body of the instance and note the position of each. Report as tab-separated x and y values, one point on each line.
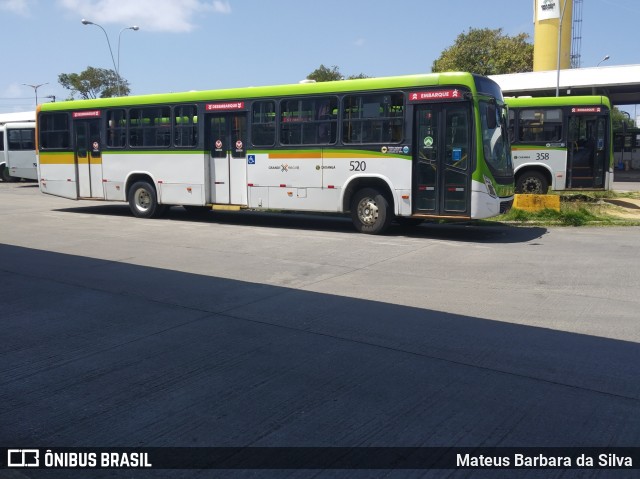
17	116
15	125
343	86
519	102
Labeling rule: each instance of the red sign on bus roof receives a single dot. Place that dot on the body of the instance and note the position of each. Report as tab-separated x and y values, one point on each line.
225	106
86	114
586	109
433	95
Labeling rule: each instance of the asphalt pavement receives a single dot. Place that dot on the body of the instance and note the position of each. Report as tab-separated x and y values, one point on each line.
265	330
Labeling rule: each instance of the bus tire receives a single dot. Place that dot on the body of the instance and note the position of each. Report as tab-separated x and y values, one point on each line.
370	211
6	177
532	183
143	201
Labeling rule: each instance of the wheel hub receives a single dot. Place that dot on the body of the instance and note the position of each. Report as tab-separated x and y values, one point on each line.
143	200
368	211
532	185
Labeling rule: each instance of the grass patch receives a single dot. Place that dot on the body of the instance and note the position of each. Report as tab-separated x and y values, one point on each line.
579	216
595	196
576	209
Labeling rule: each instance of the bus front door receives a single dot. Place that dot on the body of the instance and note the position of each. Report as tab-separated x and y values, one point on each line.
227	140
588	160
442	166
88	158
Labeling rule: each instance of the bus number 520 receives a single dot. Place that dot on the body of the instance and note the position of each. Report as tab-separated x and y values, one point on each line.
357	166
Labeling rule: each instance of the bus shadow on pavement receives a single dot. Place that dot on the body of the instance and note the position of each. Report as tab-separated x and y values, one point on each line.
460	231
104	353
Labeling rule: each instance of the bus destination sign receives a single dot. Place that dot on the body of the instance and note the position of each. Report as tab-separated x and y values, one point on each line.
586	109
435	95
86	114
225	106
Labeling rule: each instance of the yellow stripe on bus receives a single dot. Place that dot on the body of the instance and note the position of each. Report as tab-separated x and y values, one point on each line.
295	155
351	154
66	159
56	159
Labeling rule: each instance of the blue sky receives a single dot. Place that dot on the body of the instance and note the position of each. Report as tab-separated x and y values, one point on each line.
206	44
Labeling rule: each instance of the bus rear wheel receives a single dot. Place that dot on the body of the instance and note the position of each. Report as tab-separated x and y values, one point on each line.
143	201
6	177
532	183
370	211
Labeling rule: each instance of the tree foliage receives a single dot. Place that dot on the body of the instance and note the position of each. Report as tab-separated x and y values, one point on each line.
487	52
618	119
94	83
323	73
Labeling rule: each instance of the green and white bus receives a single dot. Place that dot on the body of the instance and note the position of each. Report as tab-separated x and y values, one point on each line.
561	143
409	148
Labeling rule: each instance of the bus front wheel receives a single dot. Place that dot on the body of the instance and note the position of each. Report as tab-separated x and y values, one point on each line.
143	201
532	183
370	211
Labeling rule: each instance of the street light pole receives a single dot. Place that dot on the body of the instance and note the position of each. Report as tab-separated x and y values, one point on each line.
606	57
35	89
135	28
87	22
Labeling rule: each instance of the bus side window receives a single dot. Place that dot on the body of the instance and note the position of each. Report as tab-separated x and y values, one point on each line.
263	123
185	126
55	131
116	128
373	118
512	126
28	139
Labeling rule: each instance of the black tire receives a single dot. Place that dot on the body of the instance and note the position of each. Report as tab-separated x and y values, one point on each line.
532	183
6	177
370	211
143	201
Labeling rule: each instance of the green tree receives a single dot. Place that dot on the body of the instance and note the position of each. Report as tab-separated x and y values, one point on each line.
618	119
323	73
487	52
93	83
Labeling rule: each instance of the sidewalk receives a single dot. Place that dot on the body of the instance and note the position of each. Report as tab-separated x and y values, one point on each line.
621	175
626	180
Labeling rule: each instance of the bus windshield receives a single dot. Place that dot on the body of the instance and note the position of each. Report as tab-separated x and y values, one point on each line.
494	138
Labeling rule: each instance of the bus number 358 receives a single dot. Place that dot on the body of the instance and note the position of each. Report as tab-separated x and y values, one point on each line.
542	156
357	166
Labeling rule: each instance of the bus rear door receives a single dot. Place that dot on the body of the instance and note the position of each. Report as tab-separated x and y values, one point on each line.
227	140
88	158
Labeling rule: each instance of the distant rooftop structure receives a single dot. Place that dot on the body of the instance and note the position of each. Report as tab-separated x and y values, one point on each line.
620	83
